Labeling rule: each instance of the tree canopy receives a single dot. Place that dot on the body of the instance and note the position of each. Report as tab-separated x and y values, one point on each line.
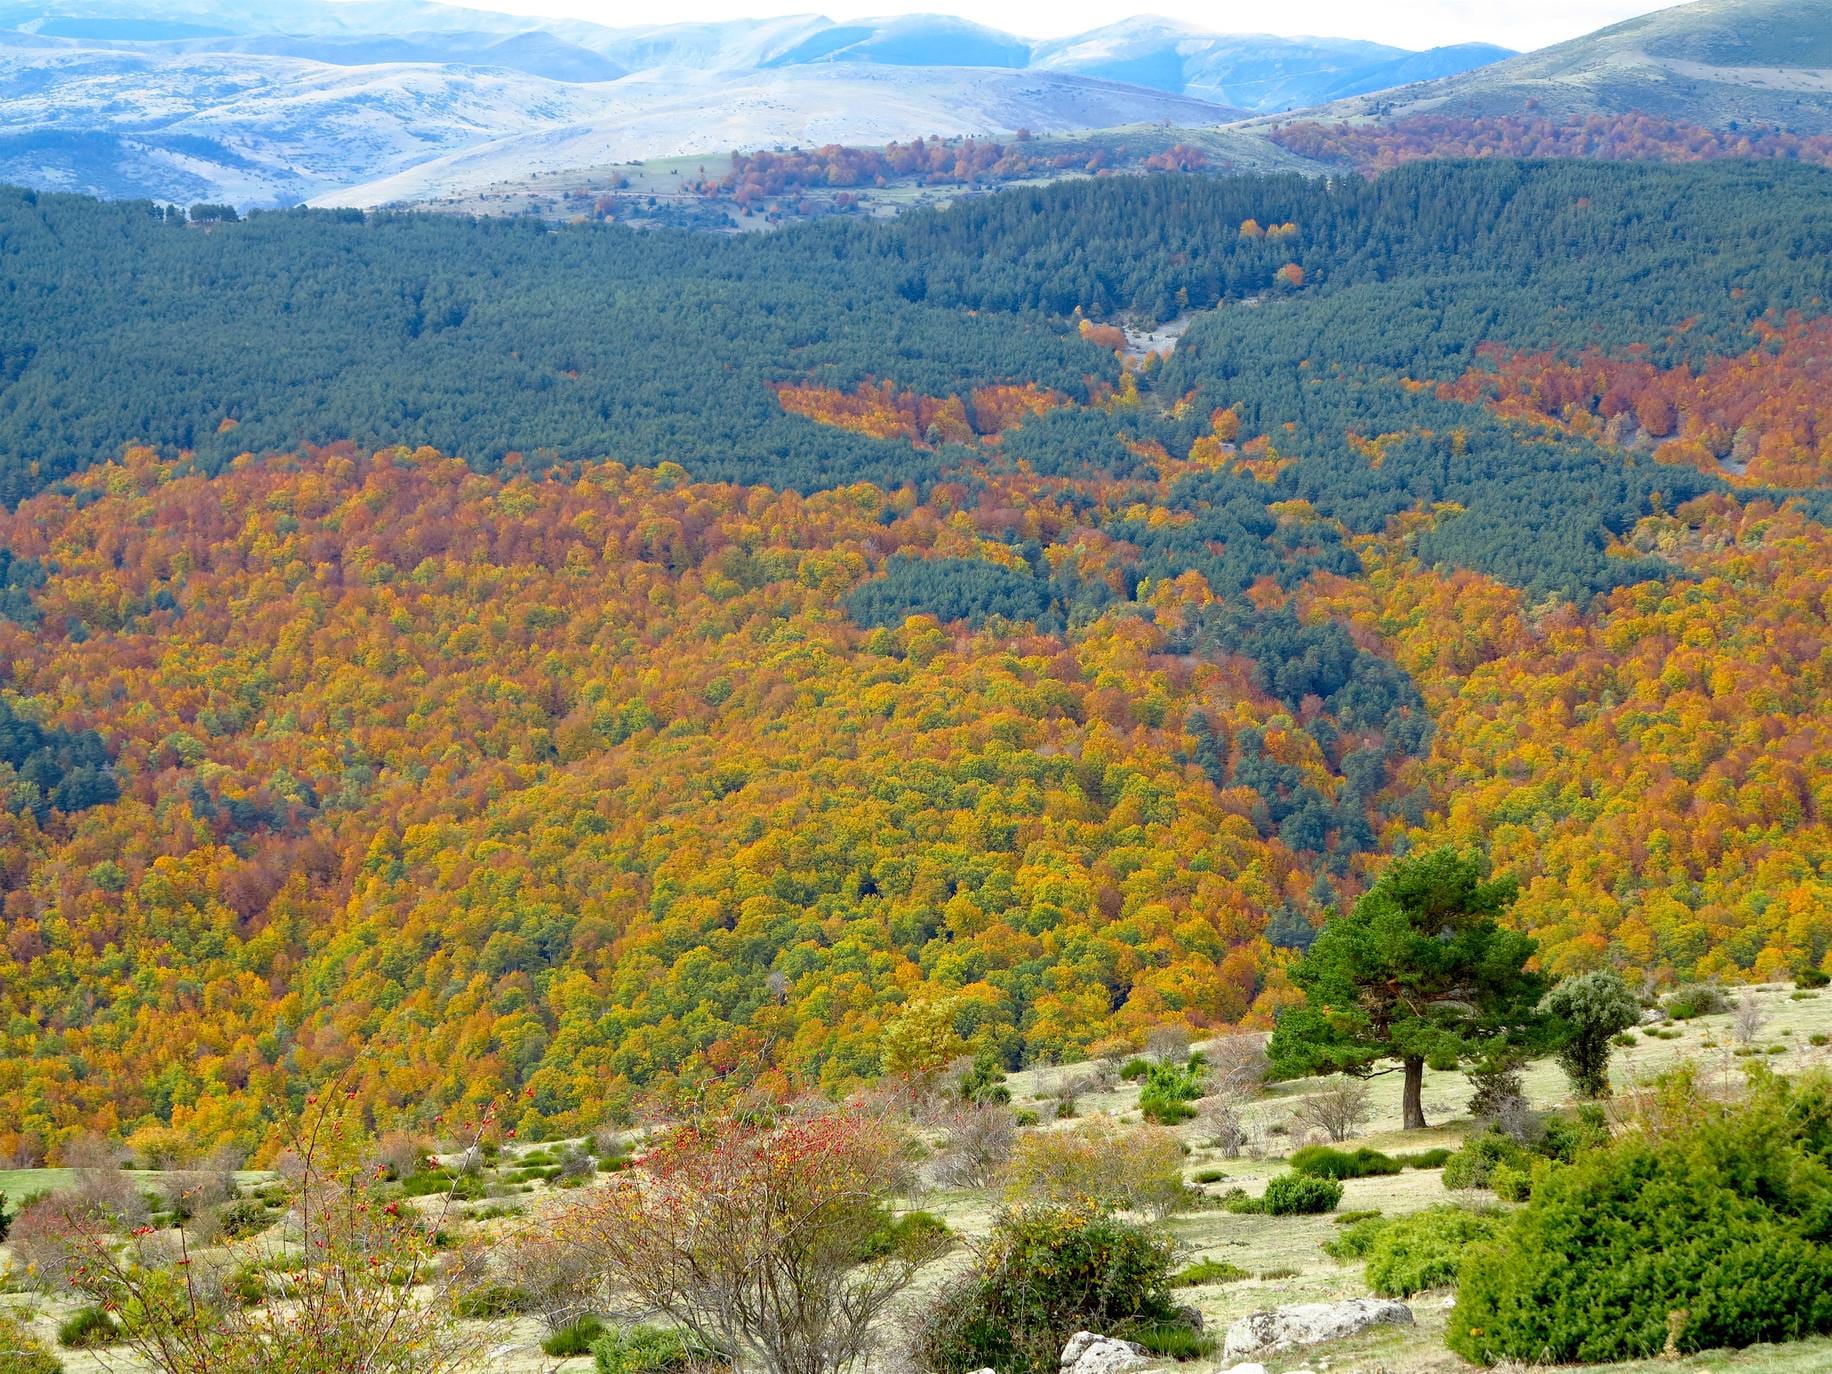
1421	970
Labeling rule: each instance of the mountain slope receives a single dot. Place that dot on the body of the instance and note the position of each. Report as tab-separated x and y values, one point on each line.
1714	63
1257	71
249	128
859	103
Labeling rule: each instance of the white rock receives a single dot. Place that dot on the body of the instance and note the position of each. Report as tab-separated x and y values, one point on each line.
1087	1353
1246	1369
1310	1322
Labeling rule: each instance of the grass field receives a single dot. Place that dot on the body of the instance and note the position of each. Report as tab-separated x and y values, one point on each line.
1284	1248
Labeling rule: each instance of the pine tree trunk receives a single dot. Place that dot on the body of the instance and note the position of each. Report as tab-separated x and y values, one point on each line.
1415	1086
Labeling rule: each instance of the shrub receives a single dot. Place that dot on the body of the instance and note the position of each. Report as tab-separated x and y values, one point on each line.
1434	1158
1323	1161
575	1338
243	1217
651	1350
23	1353
904	1234
1812	976
1511	1183
1134	1069
1707	1232
1046	1273
1356	1238
1205	1272
1338	1109
1819	1038
1236	1200
1497	1092
977	1145
1209	1176
1137	1168
87	1328
1474	1165
1695	999
1413	1253
1299	1194
1281	1273
492	1300
1167	1091
984	1082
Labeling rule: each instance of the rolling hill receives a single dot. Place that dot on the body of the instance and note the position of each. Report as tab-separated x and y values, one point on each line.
268	104
1719	64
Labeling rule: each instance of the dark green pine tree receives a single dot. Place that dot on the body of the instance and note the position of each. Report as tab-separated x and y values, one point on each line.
1420	972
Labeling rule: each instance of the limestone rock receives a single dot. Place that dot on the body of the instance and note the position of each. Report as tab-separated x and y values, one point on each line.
1087	1353
1307	1323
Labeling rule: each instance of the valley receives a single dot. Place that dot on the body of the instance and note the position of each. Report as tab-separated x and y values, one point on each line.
803	695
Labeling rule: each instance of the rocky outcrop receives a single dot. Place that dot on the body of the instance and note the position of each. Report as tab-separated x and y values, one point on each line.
1308	1323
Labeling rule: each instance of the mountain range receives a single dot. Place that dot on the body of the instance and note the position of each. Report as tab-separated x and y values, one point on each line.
371	102
266	103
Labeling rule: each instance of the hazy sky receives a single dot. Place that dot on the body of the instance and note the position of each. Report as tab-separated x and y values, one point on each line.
1406	23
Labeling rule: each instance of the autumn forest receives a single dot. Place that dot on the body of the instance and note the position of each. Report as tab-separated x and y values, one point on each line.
586	669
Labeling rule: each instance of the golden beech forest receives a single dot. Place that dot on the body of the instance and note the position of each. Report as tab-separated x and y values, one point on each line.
582	788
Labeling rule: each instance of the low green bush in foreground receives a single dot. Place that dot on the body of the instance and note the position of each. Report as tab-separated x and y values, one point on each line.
651	1350
1711	1228
1046	1273
23	1353
1425	1250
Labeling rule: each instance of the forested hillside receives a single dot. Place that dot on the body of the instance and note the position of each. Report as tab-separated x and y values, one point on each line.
803	633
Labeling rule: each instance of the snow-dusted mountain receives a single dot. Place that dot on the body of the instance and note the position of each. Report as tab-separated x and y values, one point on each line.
1259	72
852	102
265	102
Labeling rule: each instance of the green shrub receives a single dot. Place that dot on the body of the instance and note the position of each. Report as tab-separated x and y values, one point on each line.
1819	1038
899	1235
1707	1234
1434	1158
492	1300
243	1217
23	1353
1561	1137
1205	1272
575	1338
1413	1253
1799	996
1134	1069
1167	1091
1350	1218
1174	1340
87	1329
1210	1175
1237	1200
1511	1183
1282	1273
1326	1161
1046	1273
1300	1195
1024	1116
1695	999
651	1350
1357	1238
1812	976
1474	1165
